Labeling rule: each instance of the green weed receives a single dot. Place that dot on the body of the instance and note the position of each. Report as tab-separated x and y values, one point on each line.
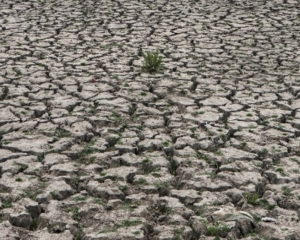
116	118
281	171
32	194
243	144
251	198
18	179
34	224
264	202
178	232
216	229
142	181
54	194
125	223
83	155
75	212
146	166
79	198
98	201
152	62
128	223
287	191
6	204
163	188
218	153
79	234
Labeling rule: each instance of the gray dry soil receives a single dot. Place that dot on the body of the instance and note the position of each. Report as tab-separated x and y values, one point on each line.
94	148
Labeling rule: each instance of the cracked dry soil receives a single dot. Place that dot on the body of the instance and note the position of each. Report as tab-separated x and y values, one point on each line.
94	148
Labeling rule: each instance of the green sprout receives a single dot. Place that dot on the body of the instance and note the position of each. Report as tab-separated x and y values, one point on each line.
152	62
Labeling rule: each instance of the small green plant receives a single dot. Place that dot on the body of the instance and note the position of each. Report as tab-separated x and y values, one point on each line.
93	110
98	201
125	223
264	202
43	185
123	188
265	122
152	62
146	166
218	153
216	203
155	174
163	188
75	212
287	191
281	171
116	118
178	232
59	133
193	129
79	198
53	194
163	208
107	230
83	155
212	175
116	77
6	204
34	224
216	229
79	234
112	177
265	151
142	181
128	223
127	206
243	144
251	198
294	160
40	157
140	127
18	179
223	137
172	168
32	194
75	181
182	92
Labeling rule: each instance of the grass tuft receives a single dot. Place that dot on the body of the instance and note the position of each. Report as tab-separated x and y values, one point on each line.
152	62
252	198
123	224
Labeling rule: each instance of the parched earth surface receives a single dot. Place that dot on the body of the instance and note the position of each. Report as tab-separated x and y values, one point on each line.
92	147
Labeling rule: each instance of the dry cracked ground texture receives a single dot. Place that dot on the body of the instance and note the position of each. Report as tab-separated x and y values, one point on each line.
94	148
